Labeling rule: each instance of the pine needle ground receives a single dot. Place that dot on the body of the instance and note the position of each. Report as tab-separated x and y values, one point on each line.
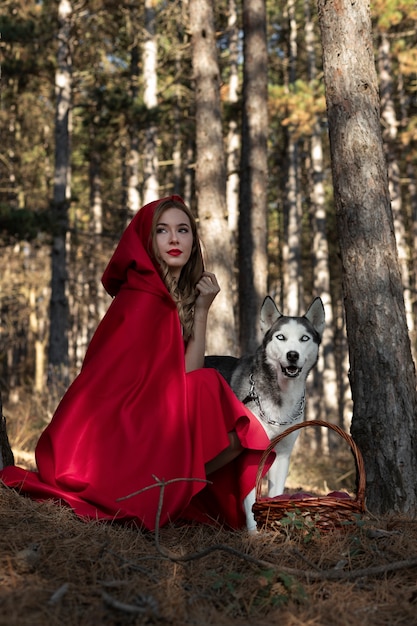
56	569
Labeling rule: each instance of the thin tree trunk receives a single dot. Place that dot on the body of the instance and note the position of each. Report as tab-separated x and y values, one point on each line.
292	235
324	375
59	312
133	196
253	262
390	134
150	168
177	152
211	175
381	367
37	326
411	201
96	298
6	453
233	135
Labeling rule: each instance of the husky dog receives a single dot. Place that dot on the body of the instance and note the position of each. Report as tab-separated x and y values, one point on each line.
272	382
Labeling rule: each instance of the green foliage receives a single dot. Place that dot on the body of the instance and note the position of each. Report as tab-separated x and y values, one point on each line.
298	106
22	224
298	522
393	13
15	29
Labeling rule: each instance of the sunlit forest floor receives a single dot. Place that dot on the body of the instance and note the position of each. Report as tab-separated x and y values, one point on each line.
58	570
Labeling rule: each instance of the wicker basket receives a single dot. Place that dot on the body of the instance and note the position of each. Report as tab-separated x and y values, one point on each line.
324	512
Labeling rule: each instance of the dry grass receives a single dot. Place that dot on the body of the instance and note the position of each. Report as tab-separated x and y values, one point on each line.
58	570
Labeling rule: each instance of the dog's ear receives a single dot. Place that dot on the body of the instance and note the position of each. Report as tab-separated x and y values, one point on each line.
315	314
269	314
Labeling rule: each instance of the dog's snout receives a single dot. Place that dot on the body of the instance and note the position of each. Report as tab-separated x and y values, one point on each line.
292	356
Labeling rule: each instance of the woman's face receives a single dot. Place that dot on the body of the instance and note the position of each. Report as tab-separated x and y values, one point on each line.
174	239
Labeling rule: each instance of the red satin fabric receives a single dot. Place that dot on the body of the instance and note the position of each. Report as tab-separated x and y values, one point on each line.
133	416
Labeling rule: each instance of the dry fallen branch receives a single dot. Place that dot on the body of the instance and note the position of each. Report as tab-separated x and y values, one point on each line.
334	574
310	575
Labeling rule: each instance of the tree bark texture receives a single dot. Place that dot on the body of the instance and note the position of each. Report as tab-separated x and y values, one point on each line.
59	312
253	266
211	176
6	453
382	374
150	99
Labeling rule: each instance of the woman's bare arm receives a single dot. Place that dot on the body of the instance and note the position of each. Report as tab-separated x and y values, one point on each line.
208	289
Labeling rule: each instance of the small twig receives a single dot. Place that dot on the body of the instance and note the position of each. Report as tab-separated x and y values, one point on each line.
303	558
132	565
345	475
149	607
162	483
58	594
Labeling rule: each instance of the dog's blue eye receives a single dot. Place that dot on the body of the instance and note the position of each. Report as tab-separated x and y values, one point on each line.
305	338
280	337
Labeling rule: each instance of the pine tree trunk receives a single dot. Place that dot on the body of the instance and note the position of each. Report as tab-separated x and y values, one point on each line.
97	304
150	83
59	312
133	196
390	136
253	264
211	176
381	368
233	135
324	375
293	219
6	453
411	201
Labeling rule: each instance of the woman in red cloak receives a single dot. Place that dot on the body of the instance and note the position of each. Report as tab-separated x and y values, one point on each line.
143	411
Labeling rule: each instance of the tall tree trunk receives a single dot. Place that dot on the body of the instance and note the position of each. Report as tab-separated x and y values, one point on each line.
233	135
133	196
390	136
59	313
253	263
381	367
411	201
292	235
324	375
97	302
150	168
211	175
6	453
37	332
177	150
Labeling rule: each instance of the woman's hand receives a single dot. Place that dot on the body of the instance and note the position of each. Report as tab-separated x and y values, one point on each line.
208	288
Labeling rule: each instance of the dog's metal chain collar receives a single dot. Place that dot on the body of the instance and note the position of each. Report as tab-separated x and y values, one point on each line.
253	395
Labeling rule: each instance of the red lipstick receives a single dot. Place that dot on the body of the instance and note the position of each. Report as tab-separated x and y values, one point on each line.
174	252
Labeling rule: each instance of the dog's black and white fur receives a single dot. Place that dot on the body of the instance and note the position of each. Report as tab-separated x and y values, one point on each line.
272	381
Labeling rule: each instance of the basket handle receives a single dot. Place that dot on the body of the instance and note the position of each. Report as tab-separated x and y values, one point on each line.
360	467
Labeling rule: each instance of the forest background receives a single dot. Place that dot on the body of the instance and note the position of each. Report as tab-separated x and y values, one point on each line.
99	115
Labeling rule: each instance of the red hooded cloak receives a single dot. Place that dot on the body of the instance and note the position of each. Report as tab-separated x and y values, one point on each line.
134	417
